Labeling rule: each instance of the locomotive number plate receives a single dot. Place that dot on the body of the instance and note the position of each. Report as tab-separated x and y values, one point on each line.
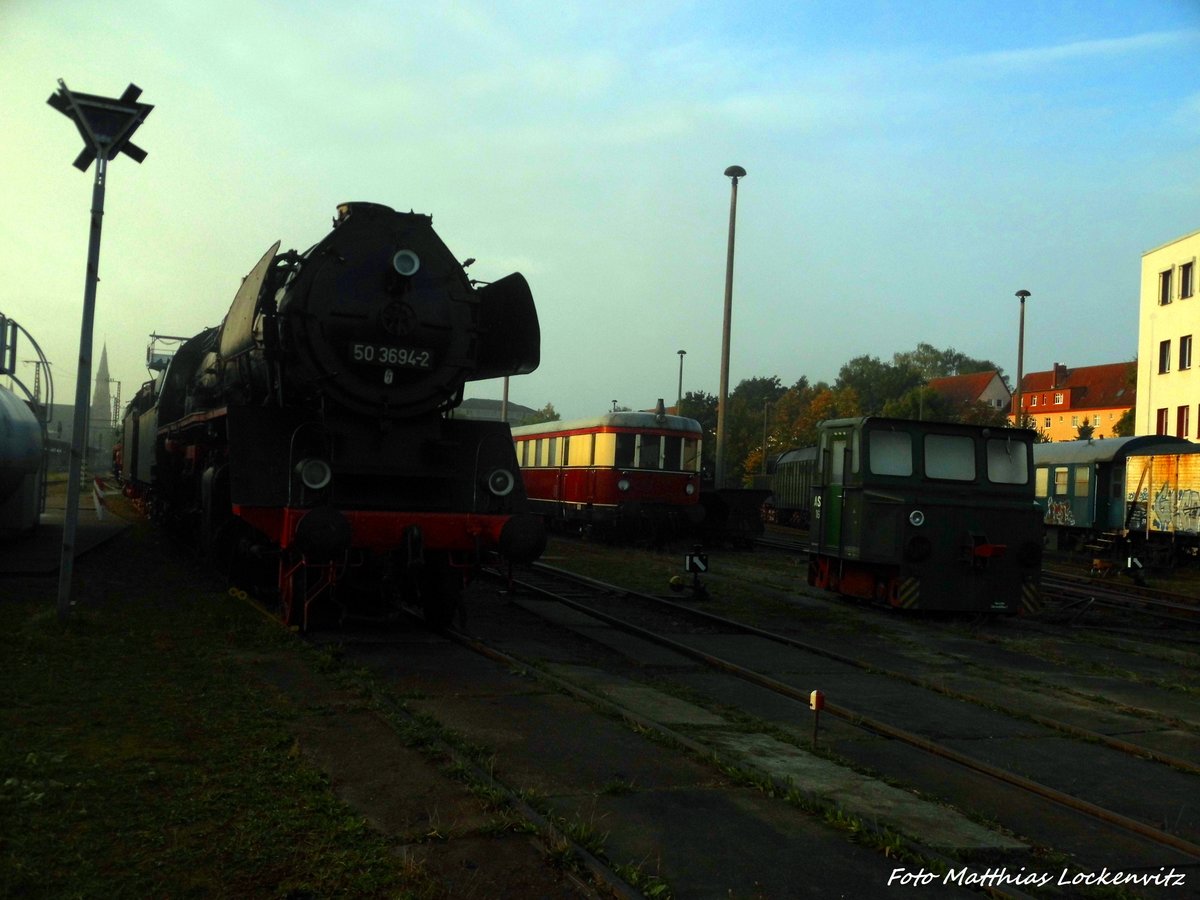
390	356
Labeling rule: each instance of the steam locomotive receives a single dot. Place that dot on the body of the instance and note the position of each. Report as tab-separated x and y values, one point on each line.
307	436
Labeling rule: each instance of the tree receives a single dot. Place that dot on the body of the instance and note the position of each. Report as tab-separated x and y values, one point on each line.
1085	430
546	414
1126	425
934	363
877	382
746	412
703	408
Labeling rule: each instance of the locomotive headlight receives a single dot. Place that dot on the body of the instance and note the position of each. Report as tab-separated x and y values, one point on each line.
689	489
501	482
406	262
314	473
916	518
623	484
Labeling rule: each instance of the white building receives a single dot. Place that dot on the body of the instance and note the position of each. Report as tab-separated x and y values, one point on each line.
1168	389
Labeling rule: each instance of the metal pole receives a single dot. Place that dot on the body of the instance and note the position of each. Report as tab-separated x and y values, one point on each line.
734	173
82	389
504	402
679	402
1020	358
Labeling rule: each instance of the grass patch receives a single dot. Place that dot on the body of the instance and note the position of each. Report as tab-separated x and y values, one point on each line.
139	757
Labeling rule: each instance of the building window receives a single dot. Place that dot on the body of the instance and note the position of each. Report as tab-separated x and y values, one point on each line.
1185	352
1034	402
1074	421
1181	421
1164	288
1160	427
1047	425
1058	398
1096	421
1164	358
1187	285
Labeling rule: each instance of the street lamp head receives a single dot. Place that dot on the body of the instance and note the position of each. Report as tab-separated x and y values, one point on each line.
735	172
681	352
1023	295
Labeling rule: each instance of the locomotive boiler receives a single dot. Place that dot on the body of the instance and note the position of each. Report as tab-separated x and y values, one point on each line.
308	431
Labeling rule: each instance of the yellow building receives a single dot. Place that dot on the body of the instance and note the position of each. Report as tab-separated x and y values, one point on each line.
1057	402
1168	389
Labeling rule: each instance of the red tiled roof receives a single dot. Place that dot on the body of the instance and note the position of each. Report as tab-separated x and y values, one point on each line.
1091	387
962	388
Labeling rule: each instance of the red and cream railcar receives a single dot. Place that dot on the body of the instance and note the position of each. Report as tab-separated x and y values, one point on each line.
633	474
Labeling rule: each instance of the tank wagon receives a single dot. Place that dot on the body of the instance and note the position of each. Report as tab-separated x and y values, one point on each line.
21	454
307	434
1102	493
926	515
633	475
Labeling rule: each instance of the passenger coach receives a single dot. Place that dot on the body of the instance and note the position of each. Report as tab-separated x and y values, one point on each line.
631	474
1149	484
926	515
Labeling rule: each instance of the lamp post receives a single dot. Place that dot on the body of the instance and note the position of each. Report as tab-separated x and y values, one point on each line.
679	402
1021	295
733	173
106	125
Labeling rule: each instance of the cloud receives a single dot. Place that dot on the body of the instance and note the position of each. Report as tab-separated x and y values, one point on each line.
1079	50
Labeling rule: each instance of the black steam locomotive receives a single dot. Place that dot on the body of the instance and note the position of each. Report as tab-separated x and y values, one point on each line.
308	434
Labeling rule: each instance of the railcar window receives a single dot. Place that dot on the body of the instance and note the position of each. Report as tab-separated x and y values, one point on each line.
581	450
651	449
890	453
537	451
950	457
551	451
626	447
672	448
1042	483
1007	462
1060	481
691	455
1081	481
606	449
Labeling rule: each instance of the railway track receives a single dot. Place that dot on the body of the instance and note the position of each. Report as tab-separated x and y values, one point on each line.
686	631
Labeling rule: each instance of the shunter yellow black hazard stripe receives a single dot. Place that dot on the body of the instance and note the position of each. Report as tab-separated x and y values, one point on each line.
1031	598
909	592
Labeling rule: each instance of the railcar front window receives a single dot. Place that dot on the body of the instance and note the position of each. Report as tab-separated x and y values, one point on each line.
890	453
650	450
626	446
691	455
1007	462
950	457
672	448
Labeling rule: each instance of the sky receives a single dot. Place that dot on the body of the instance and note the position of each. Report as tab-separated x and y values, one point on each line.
910	166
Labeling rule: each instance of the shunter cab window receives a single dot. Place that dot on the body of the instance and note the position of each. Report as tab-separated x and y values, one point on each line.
1007	461
890	453
950	457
